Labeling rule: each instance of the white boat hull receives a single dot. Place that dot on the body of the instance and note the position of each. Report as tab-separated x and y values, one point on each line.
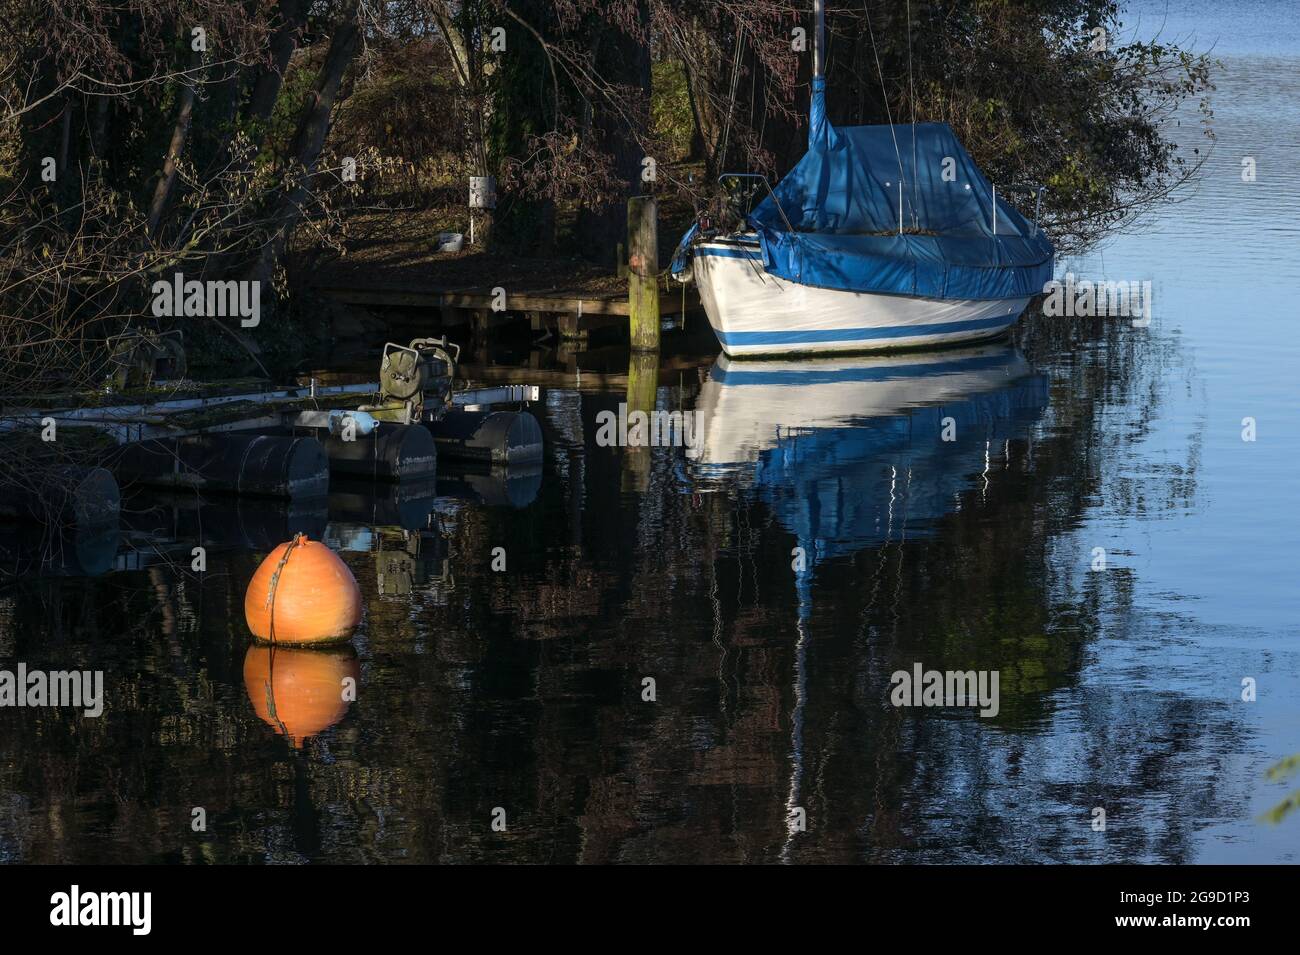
754	313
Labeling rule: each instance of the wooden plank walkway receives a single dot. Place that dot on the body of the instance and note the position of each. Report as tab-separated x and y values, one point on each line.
579	303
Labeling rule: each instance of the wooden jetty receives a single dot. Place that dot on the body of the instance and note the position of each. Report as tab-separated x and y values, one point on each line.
482	290
568	313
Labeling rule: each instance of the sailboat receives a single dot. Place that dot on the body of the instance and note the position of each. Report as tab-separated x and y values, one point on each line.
880	237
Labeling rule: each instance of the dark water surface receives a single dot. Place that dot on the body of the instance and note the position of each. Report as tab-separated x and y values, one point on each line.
523	690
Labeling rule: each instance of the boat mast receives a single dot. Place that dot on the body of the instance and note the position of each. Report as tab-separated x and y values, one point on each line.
819	38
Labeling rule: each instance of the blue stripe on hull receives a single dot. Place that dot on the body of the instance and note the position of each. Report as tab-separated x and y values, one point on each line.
731	253
815	335
755	374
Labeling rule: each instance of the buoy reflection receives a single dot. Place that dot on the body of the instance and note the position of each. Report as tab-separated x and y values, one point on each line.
298	691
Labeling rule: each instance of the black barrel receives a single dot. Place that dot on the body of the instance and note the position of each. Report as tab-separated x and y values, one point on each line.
254	464
492	437
392	452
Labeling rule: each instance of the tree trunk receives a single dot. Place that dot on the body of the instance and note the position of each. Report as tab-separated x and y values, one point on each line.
293	17
99	128
310	137
626	62
697	149
64	137
707	85
180	132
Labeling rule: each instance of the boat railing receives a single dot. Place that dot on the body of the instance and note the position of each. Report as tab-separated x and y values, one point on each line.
1037	189
763	179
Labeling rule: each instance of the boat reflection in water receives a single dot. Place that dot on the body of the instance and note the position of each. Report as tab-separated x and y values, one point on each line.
854	452
845	451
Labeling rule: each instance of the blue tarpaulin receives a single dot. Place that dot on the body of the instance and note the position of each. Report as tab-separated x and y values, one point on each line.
843	198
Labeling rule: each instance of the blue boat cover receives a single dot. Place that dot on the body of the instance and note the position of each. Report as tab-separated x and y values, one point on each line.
843	198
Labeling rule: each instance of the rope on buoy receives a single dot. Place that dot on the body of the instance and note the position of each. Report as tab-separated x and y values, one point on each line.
322	602
270	695
275	580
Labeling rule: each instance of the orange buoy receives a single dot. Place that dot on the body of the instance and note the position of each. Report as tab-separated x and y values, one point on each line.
303	593
300	691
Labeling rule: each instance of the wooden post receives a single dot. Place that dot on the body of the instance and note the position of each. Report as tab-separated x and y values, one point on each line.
480	322
642	390
642	272
481	222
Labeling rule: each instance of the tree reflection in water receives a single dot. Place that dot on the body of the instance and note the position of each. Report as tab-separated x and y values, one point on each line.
523	689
